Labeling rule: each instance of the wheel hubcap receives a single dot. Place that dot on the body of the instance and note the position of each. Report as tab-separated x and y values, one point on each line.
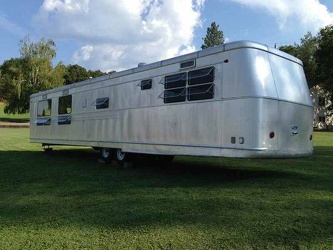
120	155
105	152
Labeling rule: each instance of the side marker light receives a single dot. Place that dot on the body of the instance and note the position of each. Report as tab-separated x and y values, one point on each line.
271	135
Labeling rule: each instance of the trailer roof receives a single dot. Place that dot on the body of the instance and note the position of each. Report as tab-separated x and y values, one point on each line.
193	55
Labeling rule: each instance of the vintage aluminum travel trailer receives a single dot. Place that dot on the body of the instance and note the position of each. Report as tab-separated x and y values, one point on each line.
240	99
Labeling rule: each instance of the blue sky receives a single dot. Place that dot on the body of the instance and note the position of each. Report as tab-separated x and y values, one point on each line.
118	34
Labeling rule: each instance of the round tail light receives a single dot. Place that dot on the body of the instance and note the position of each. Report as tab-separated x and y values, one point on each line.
271	135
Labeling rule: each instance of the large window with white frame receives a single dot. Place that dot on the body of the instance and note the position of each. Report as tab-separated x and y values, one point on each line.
44	109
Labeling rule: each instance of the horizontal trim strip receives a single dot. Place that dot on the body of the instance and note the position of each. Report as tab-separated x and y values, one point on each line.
57	141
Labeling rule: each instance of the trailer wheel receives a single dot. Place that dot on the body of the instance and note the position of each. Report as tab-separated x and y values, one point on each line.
106	154
164	159
121	157
47	148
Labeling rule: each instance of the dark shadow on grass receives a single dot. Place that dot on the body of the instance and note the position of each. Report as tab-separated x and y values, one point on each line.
193	170
70	188
14	120
212	170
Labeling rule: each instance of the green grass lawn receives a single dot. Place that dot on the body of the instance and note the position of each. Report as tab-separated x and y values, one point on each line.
68	200
12	118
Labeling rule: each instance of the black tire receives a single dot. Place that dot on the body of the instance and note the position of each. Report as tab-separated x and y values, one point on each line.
106	154
48	150
165	159
148	158
121	157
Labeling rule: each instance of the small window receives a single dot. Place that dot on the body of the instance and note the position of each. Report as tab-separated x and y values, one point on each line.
65	105
322	119
64	120
102	103
175	81
44	108
174	95
146	84
187	64
200	92
43	121
201	76
321	101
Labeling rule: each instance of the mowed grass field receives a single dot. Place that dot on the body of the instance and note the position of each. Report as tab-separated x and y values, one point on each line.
67	200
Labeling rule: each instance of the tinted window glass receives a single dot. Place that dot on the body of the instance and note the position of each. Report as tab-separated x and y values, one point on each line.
102	103
174	81
174	95
146	84
187	64
201	76
200	92
65	105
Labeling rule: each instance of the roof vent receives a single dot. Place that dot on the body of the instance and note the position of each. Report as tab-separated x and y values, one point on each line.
141	64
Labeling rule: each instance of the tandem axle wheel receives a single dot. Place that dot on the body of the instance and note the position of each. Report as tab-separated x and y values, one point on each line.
47	148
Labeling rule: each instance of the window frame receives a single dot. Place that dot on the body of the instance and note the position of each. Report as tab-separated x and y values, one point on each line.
43	121
322	119
195	78
60	102
205	95
49	105
179	95
177	82
187	64
104	103
146	84
64	119
198	81
321	101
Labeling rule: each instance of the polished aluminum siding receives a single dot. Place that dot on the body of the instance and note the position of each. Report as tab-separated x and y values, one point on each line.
258	90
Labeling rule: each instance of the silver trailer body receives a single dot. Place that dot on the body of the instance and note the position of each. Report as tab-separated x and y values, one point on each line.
241	99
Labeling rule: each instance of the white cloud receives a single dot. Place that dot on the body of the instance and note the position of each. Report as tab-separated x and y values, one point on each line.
83	54
308	15
67	6
118	34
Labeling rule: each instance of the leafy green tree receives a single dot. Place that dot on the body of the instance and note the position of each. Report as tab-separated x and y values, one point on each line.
75	73
290	49
31	73
324	56
307	50
9	74
213	37
96	73
324	59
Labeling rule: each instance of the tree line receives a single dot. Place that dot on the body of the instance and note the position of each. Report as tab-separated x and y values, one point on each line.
34	71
